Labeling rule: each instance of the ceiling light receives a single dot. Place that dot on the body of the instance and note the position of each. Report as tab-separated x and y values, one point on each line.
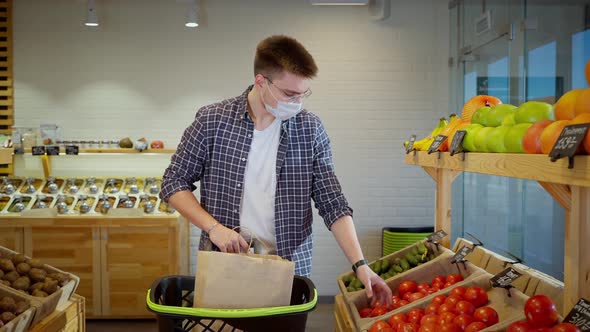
192	15
338	2
91	16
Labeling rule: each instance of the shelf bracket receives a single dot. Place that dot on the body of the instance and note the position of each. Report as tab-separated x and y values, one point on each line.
560	192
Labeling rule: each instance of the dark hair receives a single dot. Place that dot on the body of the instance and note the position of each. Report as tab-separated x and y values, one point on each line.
282	53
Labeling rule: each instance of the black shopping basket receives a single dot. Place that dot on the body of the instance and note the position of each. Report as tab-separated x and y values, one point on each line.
171	299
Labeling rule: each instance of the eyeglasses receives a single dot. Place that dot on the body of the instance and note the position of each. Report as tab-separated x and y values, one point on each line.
290	97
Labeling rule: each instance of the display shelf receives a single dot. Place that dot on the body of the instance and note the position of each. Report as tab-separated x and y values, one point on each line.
569	187
116	150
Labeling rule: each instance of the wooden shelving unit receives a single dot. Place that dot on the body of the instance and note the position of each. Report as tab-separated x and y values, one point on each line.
569	187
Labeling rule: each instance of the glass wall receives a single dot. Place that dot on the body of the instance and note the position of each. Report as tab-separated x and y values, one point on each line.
517	51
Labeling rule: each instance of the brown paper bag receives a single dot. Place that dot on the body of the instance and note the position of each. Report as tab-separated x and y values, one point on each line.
241	281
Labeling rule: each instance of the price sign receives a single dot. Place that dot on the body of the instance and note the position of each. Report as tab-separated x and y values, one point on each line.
457	143
568	141
505	278
438	140
460	255
436	236
52	150
410	144
38	150
580	315
72	149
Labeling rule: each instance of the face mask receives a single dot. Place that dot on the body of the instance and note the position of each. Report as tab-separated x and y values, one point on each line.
284	110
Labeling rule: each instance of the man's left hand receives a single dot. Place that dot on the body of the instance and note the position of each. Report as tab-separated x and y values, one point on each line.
376	288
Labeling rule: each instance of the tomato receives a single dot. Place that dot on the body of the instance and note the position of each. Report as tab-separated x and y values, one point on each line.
486	315
428	327
423	287
376	304
565	327
432	291
395	298
540	311
378	311
446	317
406	287
458	291
465	307
408	327
407	295
446	307
437	285
365	312
520	326
454	278
415	315
449	327
474	327
541	329
453	300
439	279
439	299
432	308
396	319
463	320
447	285
427	319
476	295
403	303
416	296
379	326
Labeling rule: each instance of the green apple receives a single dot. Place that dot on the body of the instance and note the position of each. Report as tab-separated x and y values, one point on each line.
509	120
534	111
498	113
481	139
495	141
469	140
481	116
513	138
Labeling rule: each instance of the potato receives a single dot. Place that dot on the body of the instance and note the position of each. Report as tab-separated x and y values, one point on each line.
7	304
37	275
23	269
7	317
39	293
11	276
18	258
6	265
21	307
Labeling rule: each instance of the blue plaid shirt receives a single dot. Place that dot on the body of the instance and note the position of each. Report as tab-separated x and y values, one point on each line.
214	150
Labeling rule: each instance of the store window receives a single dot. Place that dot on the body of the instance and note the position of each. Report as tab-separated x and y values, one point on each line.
542	73
580	55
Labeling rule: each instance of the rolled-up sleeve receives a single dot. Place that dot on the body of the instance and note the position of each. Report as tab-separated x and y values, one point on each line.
186	165
326	190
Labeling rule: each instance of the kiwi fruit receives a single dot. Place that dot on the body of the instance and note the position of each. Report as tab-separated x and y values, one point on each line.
11	276
61	278
6	265
21	307
18	258
50	286
23	268
7	317
35	263
37	275
22	283
37	286
7	304
39	293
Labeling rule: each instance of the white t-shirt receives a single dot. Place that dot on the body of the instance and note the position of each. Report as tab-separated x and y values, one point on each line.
258	201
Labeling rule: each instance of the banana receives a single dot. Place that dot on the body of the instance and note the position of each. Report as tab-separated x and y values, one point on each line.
424	144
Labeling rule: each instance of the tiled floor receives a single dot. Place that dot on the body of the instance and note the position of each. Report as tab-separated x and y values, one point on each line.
319	320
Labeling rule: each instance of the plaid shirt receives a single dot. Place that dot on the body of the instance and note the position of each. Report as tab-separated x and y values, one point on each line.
214	150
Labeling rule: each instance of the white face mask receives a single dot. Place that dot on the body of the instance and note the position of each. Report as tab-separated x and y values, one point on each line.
284	110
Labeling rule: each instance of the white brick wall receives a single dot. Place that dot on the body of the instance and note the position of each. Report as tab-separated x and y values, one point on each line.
142	73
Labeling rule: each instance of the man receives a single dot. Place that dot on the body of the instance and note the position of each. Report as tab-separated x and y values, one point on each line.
260	159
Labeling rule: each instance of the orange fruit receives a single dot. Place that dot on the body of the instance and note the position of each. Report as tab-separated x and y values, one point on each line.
550	134
447	132
564	108
476	103
587	72
583	118
582	104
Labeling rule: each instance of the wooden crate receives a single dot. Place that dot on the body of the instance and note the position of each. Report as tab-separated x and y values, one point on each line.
342	319
70	317
23	321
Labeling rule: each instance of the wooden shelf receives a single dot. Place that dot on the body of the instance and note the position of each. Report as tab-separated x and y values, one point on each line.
117	150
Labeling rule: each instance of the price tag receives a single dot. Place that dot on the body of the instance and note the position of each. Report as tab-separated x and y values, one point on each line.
568	141
410	144
438	140
505	278
460	255
580	315
72	149
457	143
38	150
52	150
436	236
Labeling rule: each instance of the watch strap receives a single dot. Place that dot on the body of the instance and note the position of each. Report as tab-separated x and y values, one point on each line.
359	264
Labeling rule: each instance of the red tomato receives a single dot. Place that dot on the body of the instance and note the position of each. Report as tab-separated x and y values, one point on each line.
428	327
379	326
403	303
438	285
432	308
427	319
376	304
447	285
520	326
439	299
449	327
476	295
454	278
463	320
389	329
438	279
395	298
406	287
446	307
415	315
378	311
540	311
486	315
446	317
465	307
407	295
542	329
416	296
458	291
423	287
408	327
365	312
432	291
565	327
474	327
453	300
396	319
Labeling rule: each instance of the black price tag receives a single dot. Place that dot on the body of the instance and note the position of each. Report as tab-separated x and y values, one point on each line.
457	143
52	150
438	140
505	278
580	315
436	236
38	150
460	255
568	141
410	144
72	149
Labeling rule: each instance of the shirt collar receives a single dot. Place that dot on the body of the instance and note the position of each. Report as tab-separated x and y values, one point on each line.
243	108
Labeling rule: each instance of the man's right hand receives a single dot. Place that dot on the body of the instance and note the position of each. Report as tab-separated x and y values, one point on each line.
228	240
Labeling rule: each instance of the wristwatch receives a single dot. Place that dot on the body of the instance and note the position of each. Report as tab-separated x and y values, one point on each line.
359	264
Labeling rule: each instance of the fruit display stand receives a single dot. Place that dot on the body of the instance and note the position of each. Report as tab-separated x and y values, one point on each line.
569	187
70	317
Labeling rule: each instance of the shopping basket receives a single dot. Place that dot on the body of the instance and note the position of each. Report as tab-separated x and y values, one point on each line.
171	299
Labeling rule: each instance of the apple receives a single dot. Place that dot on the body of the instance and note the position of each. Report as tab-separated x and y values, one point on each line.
534	111
469	140
498	113
508	120
531	142
564	108
476	103
481	139
157	144
513	138
496	139
481	116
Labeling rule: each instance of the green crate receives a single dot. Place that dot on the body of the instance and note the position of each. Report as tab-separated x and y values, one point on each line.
397	238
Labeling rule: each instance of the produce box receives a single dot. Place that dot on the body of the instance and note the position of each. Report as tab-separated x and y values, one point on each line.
23	321
479	256
508	308
53	300
396	264
440	266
